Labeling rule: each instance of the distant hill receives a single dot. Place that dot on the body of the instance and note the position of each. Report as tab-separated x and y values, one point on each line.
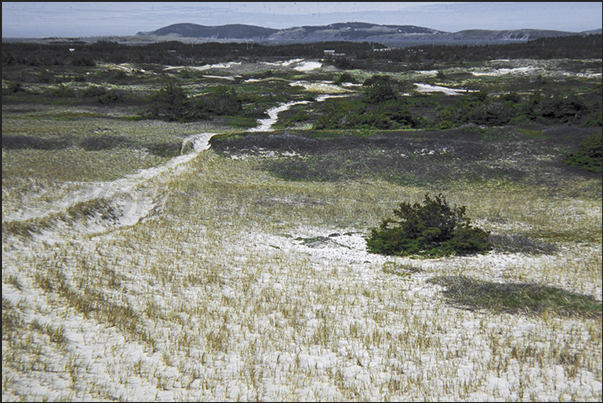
349	31
231	31
509	35
352	31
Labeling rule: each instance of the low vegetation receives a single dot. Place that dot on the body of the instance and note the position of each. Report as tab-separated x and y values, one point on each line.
517	298
528	155
589	154
357	54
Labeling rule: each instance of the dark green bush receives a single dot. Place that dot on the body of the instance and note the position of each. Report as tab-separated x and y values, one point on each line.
82	60
593	120
102	95
112	96
93	91
12	88
376	79
353	114
61	91
433	229
589	155
222	101
346	78
46	77
172	104
379	89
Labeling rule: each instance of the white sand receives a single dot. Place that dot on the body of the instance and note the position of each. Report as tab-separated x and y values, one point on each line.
439	88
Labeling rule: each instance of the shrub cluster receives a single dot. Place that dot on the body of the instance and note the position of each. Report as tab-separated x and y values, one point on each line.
433	229
102	95
345	78
359	54
171	103
380	107
543	107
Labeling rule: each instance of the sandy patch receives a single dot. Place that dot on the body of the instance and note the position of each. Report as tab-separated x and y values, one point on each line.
307	66
319	86
439	88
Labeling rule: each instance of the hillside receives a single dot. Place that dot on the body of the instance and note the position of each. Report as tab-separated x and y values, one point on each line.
231	31
350	31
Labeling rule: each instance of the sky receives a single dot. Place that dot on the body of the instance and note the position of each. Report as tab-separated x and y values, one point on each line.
73	19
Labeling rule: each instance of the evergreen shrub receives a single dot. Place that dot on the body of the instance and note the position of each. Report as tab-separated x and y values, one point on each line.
346	78
433	229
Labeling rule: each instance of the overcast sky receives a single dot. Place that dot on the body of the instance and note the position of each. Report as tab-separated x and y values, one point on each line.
42	19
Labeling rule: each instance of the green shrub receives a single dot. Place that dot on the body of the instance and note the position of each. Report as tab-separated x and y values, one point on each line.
594	119
46	77
222	101
93	91
61	91
346	78
172	104
589	155
12	88
379	90
433	229
112	96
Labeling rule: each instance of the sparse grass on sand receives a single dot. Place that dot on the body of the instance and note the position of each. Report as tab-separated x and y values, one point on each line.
250	287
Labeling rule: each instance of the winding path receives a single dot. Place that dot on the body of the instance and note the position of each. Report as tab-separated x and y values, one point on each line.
132	208
129	202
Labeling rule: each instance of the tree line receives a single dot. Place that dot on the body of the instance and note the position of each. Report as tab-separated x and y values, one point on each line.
357	54
171	52
564	47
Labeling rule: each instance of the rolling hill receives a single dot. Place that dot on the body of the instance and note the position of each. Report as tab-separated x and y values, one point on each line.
350	31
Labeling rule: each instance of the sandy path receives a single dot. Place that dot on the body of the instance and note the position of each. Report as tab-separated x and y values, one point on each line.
132	203
266	124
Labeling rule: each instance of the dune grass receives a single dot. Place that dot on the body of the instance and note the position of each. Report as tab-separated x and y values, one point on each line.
231	272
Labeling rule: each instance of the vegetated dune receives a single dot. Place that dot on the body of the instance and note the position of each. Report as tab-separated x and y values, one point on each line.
232	280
